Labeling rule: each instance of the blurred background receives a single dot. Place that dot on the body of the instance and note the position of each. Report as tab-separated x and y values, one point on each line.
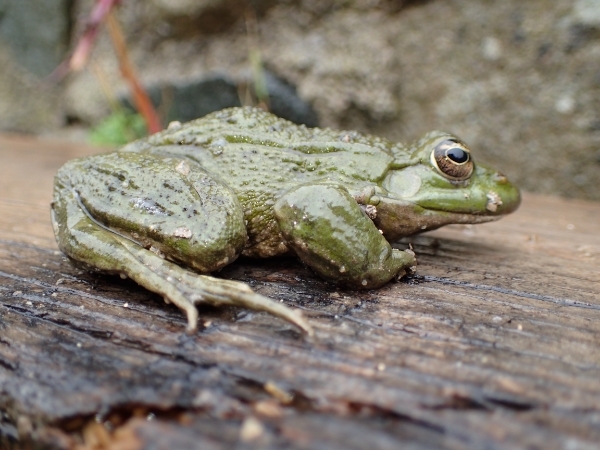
518	81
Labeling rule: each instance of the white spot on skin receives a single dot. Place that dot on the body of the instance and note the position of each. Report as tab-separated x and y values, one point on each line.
174	125
183	232
183	168
381	367
343	269
494	201
371	212
363	282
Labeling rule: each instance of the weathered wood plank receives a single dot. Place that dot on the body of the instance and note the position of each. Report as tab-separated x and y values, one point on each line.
494	344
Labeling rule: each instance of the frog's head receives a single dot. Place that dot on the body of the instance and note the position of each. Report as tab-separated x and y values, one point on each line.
439	184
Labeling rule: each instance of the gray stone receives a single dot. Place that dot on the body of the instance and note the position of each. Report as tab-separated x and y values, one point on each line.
36	31
196	98
285	102
188	101
26	104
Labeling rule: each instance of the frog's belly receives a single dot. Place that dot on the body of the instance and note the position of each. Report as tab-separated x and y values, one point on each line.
264	237
265	245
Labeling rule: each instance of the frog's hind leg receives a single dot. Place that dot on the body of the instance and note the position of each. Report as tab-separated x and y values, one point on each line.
186	289
96	247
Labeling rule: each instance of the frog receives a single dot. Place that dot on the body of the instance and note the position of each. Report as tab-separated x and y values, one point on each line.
170	210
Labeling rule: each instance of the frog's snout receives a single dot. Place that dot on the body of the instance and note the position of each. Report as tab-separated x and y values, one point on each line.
503	197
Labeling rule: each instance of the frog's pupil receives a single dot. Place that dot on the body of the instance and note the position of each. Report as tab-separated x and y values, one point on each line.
458	155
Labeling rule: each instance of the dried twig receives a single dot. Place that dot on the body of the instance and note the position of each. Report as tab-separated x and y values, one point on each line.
140	97
101	12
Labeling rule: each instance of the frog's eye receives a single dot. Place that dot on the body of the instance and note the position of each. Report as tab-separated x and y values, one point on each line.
452	159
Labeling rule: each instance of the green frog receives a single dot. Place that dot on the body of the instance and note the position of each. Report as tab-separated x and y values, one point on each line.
169	209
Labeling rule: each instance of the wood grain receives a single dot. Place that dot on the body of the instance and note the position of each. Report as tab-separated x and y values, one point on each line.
494	344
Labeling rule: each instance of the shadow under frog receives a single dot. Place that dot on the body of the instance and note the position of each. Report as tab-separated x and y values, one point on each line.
187	201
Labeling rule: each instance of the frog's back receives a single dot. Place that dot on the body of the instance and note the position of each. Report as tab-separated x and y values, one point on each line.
255	126
248	145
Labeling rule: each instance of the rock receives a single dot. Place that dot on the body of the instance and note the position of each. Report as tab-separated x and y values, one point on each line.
33	41
26	104
285	102
36	32
197	98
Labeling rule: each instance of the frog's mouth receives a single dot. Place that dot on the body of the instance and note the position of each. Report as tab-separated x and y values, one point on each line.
397	218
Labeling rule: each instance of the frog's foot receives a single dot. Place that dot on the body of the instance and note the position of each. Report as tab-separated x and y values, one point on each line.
186	289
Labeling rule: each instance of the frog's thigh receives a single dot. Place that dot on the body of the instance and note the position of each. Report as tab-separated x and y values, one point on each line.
330	233
166	203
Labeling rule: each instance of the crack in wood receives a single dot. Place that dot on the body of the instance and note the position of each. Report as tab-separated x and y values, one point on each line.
501	290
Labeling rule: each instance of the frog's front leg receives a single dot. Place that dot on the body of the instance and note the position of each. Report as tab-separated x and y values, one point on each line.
108	216
329	231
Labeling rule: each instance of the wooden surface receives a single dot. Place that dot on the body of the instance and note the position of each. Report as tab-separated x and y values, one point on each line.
495	344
